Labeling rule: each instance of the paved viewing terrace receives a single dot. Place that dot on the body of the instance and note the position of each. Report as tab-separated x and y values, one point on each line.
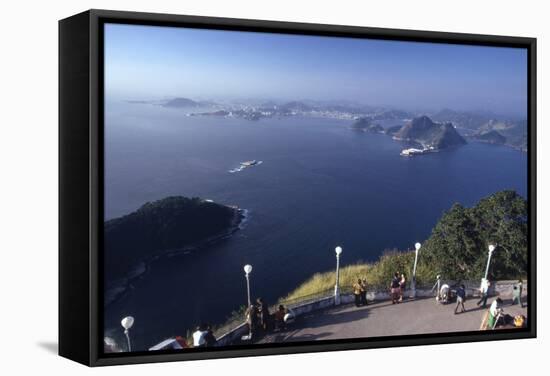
420	316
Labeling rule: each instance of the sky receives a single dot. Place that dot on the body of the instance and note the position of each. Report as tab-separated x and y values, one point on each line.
153	62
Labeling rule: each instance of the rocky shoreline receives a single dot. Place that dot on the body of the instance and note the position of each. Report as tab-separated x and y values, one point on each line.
116	289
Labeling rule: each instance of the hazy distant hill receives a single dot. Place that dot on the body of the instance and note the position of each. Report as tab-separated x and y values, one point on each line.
393	130
366	124
424	131
295	106
185	103
515	132
391	115
463	119
475	124
491	137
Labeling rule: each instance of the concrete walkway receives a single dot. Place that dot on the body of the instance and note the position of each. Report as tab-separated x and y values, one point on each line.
419	316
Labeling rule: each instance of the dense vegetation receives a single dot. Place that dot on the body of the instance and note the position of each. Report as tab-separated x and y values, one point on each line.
458	245
170	223
456	249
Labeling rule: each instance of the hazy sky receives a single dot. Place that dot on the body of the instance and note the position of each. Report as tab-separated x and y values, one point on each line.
148	62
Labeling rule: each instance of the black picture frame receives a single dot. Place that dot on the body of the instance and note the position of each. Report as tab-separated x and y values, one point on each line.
81	184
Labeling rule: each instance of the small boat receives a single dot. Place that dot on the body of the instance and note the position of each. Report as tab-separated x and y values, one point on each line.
410	152
245	164
413	151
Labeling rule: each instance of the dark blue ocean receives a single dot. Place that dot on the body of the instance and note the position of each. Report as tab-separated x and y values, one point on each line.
320	185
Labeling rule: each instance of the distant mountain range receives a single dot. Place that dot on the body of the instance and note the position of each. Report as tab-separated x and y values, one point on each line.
487	127
444	125
420	130
187	103
491	137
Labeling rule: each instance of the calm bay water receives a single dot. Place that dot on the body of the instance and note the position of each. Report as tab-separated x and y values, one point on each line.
320	185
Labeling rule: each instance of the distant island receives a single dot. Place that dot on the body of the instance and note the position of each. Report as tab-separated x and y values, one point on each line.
172	224
490	137
367	125
186	103
478	126
421	131
431	136
482	126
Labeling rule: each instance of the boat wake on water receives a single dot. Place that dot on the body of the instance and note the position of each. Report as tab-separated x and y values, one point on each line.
244	165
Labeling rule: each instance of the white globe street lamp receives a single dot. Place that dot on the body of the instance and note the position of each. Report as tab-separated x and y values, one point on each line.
247	271
413	281
338	251
127	323
491	250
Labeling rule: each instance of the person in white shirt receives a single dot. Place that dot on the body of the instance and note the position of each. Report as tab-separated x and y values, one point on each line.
493	312
198	336
484	290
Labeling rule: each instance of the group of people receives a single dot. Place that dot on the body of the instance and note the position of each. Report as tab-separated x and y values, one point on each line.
495	309
360	292
258	317
397	287
203	336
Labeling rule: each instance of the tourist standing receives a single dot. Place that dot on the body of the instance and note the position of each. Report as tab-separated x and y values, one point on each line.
209	338
402	284
516	293
198	336
437	288
395	289
280	318
494	312
460	299
364	291
357	290
263	313
484	290
252	319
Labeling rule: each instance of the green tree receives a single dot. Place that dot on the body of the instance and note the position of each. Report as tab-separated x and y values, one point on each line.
457	247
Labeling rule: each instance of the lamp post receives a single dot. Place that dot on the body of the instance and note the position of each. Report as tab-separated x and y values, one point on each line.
491	250
127	323
413	281
247	270
338	251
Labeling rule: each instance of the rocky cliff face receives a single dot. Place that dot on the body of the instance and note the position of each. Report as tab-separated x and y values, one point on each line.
424	131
